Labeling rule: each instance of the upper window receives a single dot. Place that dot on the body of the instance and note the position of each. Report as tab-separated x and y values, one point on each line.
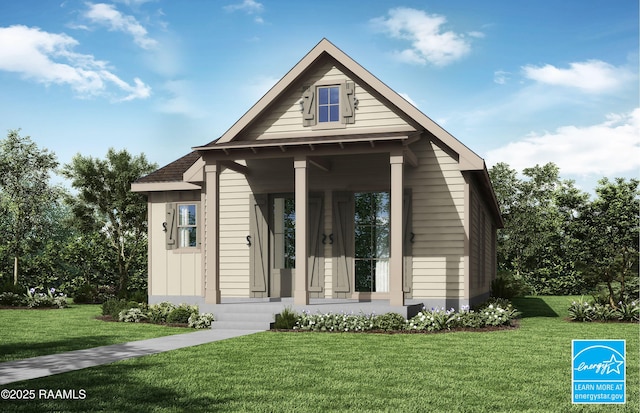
187	226
329	104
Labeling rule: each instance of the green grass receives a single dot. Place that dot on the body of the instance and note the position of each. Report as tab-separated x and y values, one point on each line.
523	370
30	333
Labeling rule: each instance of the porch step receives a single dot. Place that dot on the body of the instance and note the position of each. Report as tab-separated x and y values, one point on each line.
242	318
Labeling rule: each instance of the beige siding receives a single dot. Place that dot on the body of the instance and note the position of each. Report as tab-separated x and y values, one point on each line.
234	228
171	272
482	256
438	214
286	117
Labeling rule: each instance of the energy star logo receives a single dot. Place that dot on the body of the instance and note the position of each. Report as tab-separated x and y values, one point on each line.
598	371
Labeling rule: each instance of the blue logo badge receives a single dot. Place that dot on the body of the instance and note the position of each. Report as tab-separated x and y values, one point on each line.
598	371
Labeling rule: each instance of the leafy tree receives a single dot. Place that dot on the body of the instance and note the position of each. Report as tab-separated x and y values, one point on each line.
536	244
25	195
105	205
608	229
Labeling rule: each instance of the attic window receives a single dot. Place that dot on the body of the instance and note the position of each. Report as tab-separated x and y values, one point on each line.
329	105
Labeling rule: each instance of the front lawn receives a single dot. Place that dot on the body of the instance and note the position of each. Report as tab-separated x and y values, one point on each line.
523	370
30	333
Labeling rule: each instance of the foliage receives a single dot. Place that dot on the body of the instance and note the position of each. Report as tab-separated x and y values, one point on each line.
506	285
583	310
335	322
114	306
609	230
12	299
85	294
158	313
106	207
286	320
493	313
25	196
200	321
132	315
389	322
181	314
35	299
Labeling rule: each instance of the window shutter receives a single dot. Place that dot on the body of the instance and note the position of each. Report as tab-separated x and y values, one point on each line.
308	107
170	227
348	98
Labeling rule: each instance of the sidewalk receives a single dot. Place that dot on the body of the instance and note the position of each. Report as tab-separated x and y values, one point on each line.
32	368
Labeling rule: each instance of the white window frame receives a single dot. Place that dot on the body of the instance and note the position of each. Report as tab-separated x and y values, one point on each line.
180	226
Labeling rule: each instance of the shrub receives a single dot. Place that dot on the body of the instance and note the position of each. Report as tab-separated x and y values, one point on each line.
158	312
113	307
85	294
200	321
286	320
132	315
181	314
139	296
432	320
629	311
389	322
12	299
581	311
35	299
334	322
506	285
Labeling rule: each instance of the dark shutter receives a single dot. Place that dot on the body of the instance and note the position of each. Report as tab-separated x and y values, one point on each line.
259	254
342	243
348	97
308	107
316	270
170	227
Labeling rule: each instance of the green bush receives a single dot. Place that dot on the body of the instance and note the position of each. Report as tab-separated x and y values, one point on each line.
181	314
114	306
85	294
286	320
11	299
200	321
132	315
158	313
389	322
334	322
506	285
595	310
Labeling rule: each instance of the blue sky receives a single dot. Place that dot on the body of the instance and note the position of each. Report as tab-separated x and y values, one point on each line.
522	82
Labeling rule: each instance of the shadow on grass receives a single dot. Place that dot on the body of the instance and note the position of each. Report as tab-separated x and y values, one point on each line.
117	388
533	307
17	351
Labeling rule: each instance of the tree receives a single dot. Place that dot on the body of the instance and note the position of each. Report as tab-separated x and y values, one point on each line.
25	194
536	244
608	229
105	205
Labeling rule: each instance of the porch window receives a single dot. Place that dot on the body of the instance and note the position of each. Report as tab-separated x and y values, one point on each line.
187	226
372	241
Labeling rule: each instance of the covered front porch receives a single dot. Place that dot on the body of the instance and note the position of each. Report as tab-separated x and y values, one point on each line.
319	179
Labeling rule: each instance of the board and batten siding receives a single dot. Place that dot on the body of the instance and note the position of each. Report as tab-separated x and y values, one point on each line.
171	272
437	187
286	116
234	228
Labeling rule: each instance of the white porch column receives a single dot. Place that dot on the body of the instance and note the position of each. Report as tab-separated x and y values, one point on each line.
301	293
396	293
211	238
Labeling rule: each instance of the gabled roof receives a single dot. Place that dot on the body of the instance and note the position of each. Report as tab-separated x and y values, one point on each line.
467	158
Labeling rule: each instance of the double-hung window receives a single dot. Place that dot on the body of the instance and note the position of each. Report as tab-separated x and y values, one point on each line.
187	226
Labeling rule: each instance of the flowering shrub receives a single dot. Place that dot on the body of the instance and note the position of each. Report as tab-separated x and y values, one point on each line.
389	322
493	314
35	299
132	315
200	321
583	310
158	313
432	320
334	322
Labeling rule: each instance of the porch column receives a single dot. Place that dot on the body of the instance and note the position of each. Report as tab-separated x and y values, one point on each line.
211	238
396	293
301	292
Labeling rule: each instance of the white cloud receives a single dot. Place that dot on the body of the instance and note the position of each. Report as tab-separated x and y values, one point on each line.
250	7
606	149
49	58
429	43
592	76
181	100
107	15
408	99
501	77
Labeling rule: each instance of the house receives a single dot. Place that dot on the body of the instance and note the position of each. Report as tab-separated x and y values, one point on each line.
331	186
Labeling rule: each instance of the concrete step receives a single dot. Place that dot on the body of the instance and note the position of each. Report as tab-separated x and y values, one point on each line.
241	325
245	317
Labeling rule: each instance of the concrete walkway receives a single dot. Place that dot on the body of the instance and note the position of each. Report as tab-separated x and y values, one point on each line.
33	368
